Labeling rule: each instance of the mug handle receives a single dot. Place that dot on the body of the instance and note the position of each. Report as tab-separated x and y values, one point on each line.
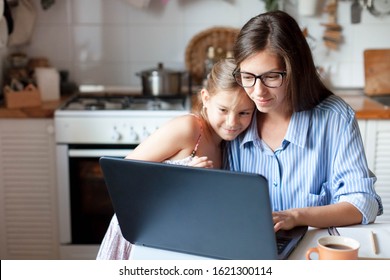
310	251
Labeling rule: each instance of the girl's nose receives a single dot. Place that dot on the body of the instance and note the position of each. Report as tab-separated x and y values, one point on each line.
231	120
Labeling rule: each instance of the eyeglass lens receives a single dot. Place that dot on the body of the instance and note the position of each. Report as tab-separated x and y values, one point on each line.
270	79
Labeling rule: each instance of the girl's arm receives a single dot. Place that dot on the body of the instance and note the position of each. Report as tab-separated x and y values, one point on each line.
174	140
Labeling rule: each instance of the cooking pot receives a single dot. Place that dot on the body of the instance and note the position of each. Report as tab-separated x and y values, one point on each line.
161	82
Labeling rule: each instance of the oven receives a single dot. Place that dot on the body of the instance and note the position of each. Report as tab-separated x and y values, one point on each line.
89	126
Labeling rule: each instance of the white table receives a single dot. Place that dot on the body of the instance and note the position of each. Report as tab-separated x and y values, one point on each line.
358	232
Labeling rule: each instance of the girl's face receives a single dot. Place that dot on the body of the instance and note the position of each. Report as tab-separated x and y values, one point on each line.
266	99
229	112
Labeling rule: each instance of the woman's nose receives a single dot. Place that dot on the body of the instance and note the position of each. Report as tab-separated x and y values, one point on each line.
259	88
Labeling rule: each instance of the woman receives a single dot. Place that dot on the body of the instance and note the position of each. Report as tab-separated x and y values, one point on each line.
195	139
304	139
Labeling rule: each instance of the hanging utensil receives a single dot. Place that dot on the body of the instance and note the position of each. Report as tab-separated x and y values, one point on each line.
379	8
356	11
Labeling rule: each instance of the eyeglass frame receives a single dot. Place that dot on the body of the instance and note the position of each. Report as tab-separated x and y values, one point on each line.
282	73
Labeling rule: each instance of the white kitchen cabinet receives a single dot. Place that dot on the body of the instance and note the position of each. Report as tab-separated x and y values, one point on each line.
28	200
377	146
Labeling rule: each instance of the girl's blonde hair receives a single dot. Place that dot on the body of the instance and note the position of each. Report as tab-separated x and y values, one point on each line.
219	79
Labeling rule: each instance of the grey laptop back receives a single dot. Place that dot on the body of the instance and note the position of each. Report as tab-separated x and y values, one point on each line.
207	212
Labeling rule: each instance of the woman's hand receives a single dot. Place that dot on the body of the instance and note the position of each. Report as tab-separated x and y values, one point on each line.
201	162
284	219
338	214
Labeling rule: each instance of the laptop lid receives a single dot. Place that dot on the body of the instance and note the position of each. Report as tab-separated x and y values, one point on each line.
207	212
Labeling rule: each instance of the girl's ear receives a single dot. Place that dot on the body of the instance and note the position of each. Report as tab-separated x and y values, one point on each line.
205	96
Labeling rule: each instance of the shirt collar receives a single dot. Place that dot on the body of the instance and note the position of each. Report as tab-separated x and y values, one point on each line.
251	134
296	132
298	128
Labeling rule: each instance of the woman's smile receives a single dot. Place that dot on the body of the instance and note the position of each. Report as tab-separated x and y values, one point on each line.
263	101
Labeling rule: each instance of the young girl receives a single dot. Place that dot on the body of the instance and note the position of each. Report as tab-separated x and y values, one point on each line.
224	111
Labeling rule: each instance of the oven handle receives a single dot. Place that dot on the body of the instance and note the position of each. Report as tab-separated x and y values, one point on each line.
98	152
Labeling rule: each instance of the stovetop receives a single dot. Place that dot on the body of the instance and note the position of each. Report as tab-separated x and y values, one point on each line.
115	119
114	102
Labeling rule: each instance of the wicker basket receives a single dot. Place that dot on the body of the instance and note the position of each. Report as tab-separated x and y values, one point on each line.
219	37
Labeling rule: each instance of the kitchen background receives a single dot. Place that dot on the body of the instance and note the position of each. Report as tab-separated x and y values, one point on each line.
108	42
45	158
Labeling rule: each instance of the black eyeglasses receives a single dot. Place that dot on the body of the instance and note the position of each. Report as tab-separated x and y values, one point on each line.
272	79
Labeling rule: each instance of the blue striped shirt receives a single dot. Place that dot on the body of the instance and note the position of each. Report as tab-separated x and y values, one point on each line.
321	161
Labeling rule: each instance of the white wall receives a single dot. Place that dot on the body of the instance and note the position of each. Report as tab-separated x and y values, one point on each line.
107	42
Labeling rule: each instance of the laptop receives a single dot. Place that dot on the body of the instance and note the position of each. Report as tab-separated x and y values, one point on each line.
211	213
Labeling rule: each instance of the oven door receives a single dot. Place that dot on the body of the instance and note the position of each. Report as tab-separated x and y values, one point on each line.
85	207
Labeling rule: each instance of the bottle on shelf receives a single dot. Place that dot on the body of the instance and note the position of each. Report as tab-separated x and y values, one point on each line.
208	63
229	54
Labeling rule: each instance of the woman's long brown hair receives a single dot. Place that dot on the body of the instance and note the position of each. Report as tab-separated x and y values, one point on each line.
278	33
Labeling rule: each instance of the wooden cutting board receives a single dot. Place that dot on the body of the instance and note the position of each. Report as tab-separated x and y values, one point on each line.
377	71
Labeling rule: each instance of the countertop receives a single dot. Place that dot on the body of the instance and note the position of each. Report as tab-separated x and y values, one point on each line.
365	107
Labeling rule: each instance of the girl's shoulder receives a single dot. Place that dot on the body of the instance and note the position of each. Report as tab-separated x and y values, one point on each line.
190	122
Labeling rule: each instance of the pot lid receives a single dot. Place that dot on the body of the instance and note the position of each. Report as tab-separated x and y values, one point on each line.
159	70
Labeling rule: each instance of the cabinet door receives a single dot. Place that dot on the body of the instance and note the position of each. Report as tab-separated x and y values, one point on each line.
378	157
28	212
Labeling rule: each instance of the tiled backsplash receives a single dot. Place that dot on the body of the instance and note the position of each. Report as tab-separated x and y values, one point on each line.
108	42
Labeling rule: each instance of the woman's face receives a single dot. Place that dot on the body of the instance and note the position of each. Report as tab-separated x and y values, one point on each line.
267	99
229	112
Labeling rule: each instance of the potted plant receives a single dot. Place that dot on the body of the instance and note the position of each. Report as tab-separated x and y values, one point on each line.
271	5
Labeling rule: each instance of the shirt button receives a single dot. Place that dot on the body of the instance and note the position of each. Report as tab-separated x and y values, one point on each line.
275	184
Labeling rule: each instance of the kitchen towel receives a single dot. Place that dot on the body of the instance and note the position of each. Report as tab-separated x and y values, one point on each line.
3	26
8	16
3	32
24	16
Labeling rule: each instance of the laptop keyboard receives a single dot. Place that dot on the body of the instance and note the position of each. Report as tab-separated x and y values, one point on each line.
281	243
